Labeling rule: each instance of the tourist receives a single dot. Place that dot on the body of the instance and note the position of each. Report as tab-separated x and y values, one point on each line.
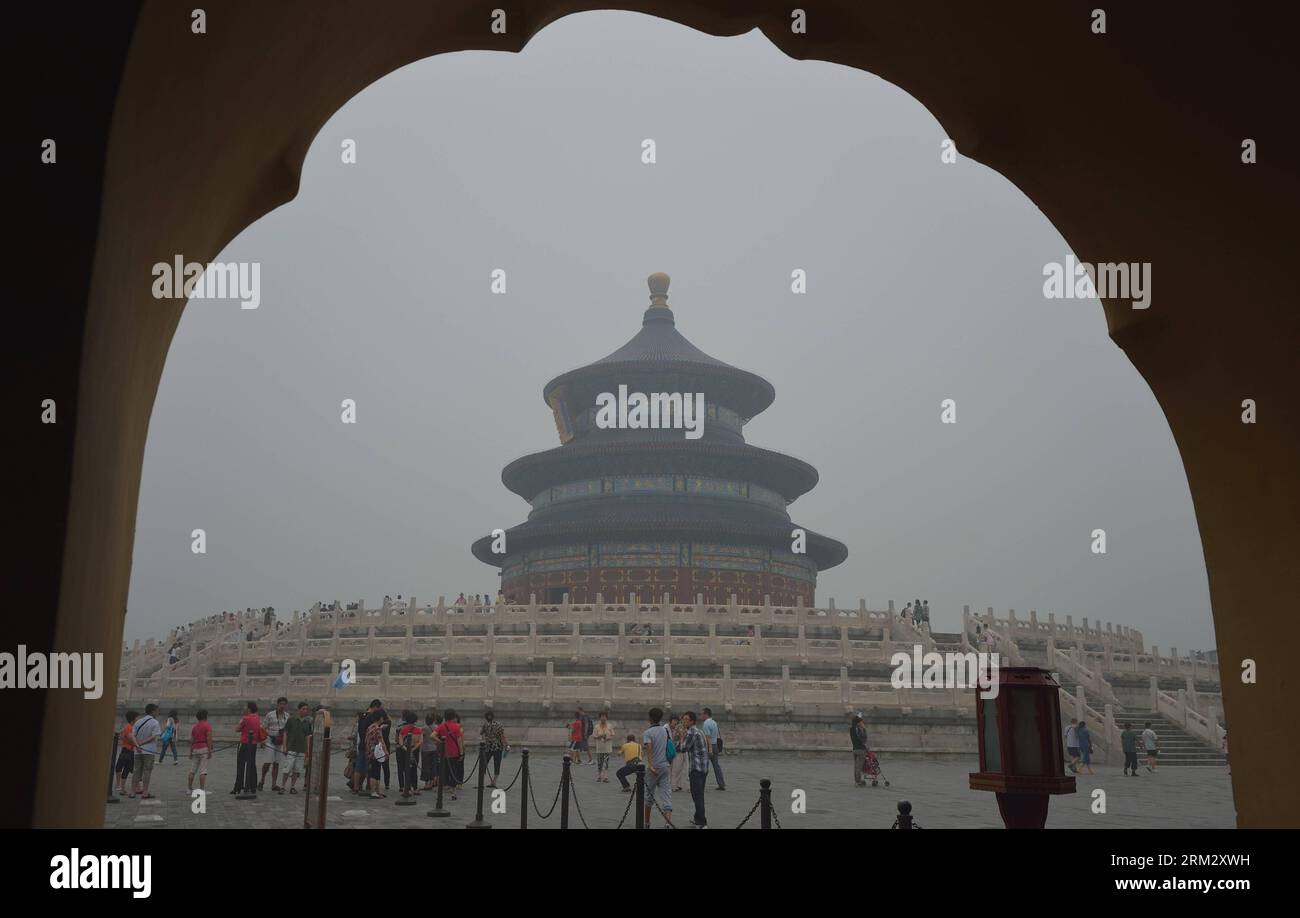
604	736
126	758
386	727
696	749
429	749
408	751
296	732
1072	747
858	738
274	727
678	731
168	737
1150	745
460	600
587	728
200	749
906	614
1084	739
925	612
1223	747
575	738
1128	742
376	752
714	736
144	734
358	753
631	759
453	747
361	766
657	742
250	733
493	737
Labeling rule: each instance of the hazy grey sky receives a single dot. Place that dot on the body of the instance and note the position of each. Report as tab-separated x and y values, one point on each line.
924	283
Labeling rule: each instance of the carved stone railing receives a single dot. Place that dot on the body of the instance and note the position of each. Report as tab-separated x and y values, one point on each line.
1176	708
1018	629
1069	663
1101	724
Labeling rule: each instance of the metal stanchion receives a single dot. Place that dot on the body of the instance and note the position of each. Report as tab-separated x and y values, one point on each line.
765	803
479	822
640	797
523	792
564	793
112	772
438	809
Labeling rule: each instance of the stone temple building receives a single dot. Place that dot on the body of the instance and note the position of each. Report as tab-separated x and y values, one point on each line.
651	511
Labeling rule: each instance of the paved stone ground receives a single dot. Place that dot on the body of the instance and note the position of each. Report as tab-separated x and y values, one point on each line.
1170	798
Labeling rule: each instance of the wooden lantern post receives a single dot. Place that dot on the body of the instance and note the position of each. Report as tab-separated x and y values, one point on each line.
1020	745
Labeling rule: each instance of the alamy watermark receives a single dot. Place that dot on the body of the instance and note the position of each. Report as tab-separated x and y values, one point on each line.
1081	280
656	411
103	871
236	280
974	669
83	671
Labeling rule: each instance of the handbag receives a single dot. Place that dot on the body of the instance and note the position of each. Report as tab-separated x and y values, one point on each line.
380	754
347	772
671	749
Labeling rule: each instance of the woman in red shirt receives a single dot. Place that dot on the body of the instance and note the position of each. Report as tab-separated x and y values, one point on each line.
450	732
250	734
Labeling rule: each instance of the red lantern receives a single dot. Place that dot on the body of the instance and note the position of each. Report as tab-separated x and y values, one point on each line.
1020	745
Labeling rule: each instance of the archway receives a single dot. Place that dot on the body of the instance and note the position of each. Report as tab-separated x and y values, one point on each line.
173	182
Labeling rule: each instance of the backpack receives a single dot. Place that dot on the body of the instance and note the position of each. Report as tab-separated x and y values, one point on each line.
586	726
671	750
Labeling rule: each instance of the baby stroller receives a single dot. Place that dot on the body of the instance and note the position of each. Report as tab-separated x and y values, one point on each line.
871	768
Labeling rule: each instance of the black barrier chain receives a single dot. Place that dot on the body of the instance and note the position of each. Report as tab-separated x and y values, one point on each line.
752	811
468	771
533	794
518	772
573	791
654	798
631	799
774	819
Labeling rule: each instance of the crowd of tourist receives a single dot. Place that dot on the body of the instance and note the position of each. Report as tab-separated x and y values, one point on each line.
916	612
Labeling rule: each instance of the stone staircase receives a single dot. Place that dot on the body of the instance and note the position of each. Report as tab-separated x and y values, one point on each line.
946	641
1177	747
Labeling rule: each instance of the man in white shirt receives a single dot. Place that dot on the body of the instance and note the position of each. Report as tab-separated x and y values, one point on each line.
1150	745
1072	747
145	734
274	724
714	736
